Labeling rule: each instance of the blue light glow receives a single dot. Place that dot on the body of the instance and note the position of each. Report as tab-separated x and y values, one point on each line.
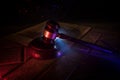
62	45
59	54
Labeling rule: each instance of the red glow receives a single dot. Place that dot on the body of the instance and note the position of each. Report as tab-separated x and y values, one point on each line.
36	55
49	35
2	78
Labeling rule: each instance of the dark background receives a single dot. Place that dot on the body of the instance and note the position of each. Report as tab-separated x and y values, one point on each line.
22	12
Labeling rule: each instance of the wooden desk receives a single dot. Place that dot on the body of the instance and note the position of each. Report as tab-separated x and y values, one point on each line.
78	62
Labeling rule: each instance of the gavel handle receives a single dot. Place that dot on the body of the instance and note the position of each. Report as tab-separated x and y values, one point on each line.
88	44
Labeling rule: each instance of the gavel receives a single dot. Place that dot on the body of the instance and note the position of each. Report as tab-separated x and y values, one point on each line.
44	46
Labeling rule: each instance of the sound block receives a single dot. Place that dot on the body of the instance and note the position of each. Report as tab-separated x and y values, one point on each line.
41	50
